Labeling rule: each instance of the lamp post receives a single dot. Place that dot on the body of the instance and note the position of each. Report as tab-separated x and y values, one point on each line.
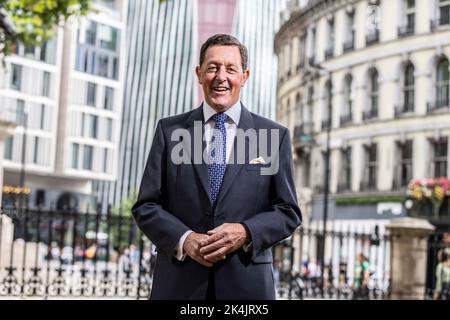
317	69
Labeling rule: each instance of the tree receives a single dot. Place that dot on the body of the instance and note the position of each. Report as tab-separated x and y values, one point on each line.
35	20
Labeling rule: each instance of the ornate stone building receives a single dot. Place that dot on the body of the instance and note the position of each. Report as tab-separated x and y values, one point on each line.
375	76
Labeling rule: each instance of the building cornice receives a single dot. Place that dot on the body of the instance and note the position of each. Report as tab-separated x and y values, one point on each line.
300	18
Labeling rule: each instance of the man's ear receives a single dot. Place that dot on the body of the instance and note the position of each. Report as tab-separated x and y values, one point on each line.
245	77
198	71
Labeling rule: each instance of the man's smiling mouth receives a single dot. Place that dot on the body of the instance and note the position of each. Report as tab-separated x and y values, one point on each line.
220	89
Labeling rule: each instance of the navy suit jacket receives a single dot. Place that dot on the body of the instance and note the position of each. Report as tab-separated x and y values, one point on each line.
175	198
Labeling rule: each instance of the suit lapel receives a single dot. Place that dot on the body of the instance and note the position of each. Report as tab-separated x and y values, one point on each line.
200	167
245	123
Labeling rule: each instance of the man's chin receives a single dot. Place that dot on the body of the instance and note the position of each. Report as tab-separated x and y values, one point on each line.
220	105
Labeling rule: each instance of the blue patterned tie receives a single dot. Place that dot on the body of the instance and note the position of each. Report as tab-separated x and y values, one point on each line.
217	156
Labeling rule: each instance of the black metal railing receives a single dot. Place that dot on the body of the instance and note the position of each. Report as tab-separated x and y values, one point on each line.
370	114
349	44
329	52
406	30
372	37
326	124
72	254
339	279
405	108
346	119
438	105
441	21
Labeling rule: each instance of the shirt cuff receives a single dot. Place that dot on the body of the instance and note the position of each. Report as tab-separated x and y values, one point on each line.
179	252
247	247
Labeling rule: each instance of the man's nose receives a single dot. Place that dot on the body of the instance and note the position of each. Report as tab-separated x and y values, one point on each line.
221	74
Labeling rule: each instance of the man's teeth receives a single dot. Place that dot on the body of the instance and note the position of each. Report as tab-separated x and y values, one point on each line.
221	89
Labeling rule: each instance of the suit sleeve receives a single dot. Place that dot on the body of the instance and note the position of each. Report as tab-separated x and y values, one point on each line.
159	225
283	215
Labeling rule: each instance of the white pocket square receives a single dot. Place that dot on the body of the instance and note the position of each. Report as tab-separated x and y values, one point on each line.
259	160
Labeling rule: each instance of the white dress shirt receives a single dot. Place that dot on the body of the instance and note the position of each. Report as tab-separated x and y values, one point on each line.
234	114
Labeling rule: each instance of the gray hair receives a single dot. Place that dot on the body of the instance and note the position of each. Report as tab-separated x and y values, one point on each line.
224	40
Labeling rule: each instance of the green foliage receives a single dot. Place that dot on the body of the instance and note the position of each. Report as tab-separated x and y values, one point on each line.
368	200
124	228
36	20
124	208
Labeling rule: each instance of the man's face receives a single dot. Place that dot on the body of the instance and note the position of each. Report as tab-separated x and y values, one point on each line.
222	77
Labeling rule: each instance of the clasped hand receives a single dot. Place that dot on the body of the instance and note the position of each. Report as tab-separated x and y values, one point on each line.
214	246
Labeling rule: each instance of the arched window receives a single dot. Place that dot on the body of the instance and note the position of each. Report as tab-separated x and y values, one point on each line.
346	115
326	111
373	93
442	84
408	89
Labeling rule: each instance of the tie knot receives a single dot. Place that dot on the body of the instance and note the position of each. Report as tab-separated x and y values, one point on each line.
220	118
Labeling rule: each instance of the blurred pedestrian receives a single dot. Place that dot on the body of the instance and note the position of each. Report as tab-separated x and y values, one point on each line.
441	291
361	278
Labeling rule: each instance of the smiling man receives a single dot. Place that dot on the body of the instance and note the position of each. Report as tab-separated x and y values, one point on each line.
214	223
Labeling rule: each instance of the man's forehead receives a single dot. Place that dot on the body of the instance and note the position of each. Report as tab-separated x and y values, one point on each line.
220	54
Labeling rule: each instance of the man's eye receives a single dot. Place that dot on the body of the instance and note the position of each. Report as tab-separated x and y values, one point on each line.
212	69
232	70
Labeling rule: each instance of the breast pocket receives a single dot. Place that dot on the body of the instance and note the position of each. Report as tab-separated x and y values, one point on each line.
256	167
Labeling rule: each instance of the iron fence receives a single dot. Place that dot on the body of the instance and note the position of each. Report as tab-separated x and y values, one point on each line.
298	273
70	254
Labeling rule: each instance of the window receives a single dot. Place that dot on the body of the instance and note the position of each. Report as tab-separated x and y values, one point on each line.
102	63
16	77
109	98
444	12
302	53
20	113
439	161
370	174
91	32
83	125
442	84
373	95
409	9
87	157
29	52
410	13
403	172
93	127
42	117
91	94
349	42
107	37
408	89
9	148
312	49
75	153
46	84
105	160
330	46
346	167
346	115
109	129
326	111
36	150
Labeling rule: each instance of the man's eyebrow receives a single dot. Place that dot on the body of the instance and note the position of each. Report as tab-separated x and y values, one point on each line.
219	63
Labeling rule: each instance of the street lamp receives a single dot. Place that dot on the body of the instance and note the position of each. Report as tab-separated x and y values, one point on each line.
317	69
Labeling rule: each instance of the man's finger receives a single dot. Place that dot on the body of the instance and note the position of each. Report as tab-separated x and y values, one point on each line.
212	247
212	238
217	255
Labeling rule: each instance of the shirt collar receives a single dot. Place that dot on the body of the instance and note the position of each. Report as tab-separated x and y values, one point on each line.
234	113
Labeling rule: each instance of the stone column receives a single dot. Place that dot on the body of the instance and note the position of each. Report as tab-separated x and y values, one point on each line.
408	257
